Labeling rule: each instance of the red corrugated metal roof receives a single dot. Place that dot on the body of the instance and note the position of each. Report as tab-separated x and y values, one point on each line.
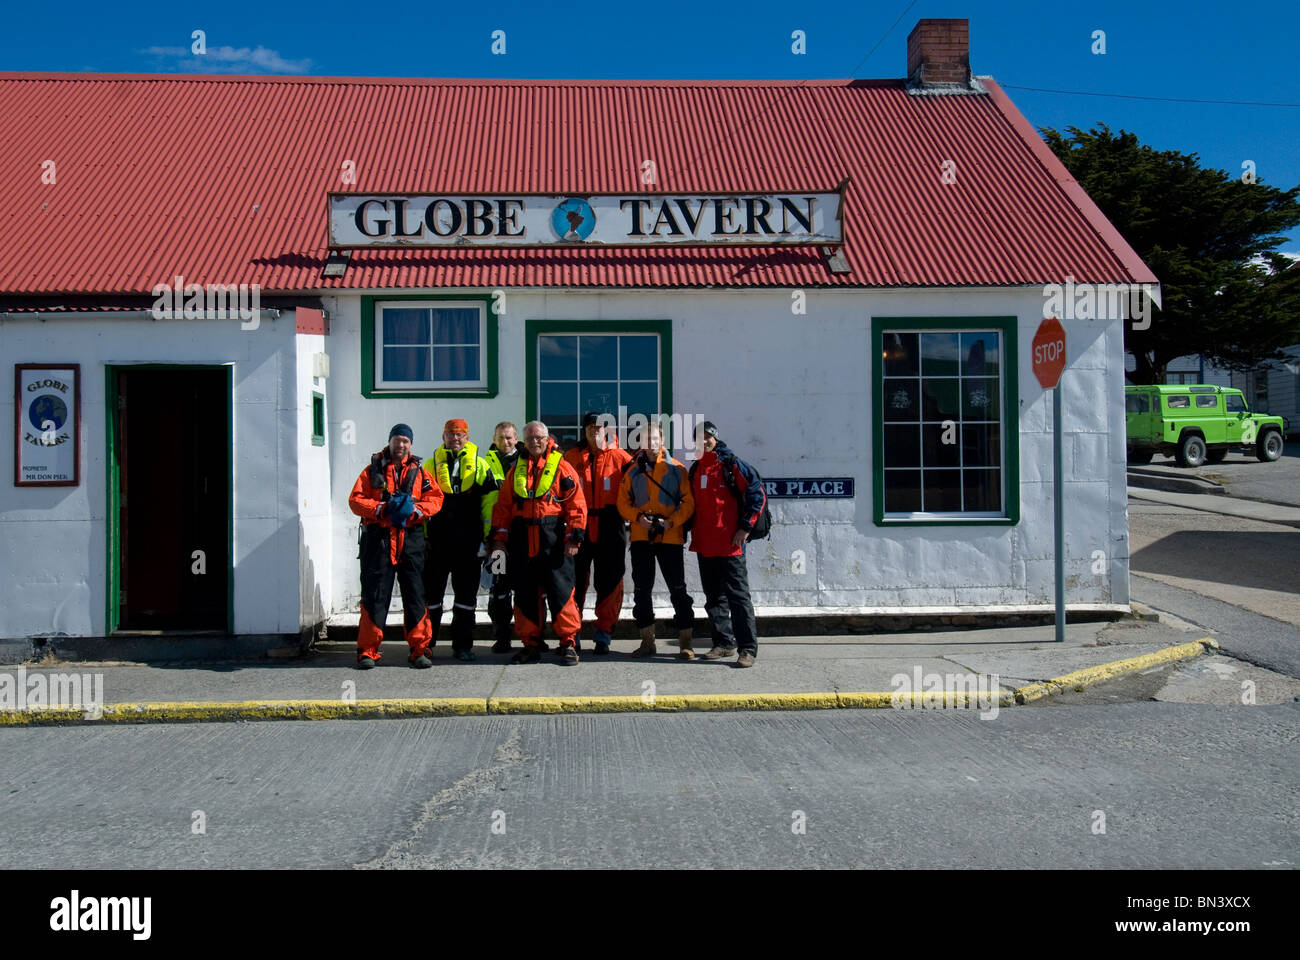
223	180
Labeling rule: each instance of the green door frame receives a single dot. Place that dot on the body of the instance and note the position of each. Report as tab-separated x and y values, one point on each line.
112	578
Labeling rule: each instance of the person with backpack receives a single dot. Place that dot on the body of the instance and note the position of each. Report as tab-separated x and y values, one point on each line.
730	505
655	498
394	496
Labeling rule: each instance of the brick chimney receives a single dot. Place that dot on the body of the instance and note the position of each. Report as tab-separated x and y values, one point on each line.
938	53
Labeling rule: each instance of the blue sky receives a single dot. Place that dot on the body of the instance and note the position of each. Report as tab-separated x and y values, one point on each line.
1233	51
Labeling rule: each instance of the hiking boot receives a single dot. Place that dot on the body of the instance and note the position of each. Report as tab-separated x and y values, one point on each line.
602	639
421	662
684	640
529	654
502	645
717	653
568	656
647	642
746	659
465	656
366	663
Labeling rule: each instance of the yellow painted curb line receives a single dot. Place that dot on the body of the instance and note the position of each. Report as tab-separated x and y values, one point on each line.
702	702
209	712
1108	671
205	712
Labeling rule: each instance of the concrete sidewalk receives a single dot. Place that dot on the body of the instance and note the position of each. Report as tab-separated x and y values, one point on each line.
1012	664
1230	506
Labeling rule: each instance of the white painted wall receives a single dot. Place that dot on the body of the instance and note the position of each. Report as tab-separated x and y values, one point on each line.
53	539
1283	387
792	394
315	520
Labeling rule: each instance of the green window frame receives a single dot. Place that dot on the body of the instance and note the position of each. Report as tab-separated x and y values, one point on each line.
317	419
371	381
1008	422
534	329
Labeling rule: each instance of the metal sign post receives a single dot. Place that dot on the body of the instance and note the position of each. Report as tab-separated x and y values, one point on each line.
1058	498
1048	365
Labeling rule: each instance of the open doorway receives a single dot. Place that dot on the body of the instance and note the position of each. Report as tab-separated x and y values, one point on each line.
170	440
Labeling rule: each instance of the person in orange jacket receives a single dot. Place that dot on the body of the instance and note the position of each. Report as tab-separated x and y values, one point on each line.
599	462
655	498
394	496
540	520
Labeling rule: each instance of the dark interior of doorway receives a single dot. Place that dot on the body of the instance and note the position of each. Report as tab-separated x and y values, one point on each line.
173	454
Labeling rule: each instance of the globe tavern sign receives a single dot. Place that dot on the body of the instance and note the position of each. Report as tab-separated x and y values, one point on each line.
523	220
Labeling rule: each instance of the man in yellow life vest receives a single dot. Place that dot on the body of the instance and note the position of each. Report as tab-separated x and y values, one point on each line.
455	535
540	520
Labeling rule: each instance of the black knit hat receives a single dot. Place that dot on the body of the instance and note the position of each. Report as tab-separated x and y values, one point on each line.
710	428
402	430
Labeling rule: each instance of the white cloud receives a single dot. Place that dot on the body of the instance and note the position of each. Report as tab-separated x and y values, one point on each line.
228	59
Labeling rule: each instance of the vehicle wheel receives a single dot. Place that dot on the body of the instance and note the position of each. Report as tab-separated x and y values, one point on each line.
1215	456
1191	451
1269	446
1140	456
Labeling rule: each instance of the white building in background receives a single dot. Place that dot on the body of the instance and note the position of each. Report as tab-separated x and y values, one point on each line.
870	354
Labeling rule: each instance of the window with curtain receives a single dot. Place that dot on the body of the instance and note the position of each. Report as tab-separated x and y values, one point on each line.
434	346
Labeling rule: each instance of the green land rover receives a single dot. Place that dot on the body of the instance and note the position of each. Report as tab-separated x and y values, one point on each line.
1196	424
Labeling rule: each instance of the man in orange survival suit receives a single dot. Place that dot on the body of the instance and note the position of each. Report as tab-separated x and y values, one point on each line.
603	557
394	496
540	519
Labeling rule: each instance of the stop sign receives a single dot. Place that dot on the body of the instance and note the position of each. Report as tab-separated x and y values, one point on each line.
1049	352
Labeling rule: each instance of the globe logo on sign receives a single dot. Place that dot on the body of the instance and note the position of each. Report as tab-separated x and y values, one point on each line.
47	407
573	220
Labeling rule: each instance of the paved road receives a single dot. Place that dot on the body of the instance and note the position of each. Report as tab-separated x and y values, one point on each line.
1239	560
1180	785
1238	579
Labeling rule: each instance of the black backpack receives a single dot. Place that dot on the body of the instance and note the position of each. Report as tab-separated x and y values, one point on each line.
763	525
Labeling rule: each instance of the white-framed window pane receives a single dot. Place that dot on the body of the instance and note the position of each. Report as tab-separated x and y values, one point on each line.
979	355
455	363
600	396
982	490
406	326
902	491
559	404
642	398
979	399
939	355
598	358
558	358
942	491
901	355
406	364
638	357
902	445
455	325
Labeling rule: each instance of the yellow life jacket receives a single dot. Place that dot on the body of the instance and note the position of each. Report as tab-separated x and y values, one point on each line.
442	469
549	471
